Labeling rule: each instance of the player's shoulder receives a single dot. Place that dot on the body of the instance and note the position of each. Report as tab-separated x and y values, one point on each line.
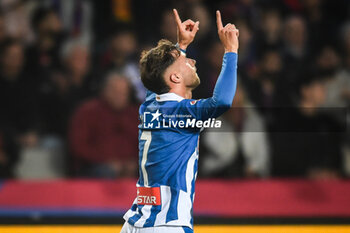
168	100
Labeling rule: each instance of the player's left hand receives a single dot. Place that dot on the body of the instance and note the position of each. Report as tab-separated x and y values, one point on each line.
186	31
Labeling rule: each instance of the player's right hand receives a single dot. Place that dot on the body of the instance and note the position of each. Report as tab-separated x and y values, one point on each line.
228	34
186	31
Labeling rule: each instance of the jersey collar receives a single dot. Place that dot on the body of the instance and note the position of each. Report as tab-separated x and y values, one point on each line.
169	97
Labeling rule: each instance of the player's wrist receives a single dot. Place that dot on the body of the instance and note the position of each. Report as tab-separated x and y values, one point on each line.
181	47
231	50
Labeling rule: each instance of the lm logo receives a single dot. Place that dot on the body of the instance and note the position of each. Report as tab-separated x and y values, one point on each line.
151	120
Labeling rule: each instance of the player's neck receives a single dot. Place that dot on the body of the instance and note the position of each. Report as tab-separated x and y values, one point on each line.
185	93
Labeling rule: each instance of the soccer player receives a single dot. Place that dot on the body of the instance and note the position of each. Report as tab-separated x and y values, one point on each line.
168	155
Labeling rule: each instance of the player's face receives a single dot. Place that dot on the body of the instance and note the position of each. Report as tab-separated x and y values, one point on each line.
188	70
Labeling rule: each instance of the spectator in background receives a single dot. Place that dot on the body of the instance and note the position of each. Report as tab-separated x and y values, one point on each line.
345	39
108	13
2	28
296	56
270	72
16	14
247	54
59	95
241	9
12	59
67	88
269	35
328	60
43	55
317	15
103	132
339	87
18	98
76	17
295	43
121	57
240	148
75	56
308	142
8	153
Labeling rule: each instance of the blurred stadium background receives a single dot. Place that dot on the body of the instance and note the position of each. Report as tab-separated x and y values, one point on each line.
70	90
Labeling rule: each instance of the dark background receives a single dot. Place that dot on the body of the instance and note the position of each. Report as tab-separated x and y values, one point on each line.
70	87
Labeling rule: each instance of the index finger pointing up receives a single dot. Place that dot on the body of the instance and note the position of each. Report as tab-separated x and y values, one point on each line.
218	20
177	18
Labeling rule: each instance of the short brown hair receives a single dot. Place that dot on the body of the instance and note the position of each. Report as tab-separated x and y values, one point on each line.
153	64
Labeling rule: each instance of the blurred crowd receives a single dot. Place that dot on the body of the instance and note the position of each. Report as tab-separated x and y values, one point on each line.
70	86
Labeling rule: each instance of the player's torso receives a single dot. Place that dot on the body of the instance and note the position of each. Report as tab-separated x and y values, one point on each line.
168	162
165	147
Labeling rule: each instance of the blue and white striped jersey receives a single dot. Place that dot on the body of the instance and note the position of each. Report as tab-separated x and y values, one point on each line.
168	151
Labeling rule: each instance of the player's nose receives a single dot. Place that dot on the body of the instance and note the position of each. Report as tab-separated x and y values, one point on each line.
193	62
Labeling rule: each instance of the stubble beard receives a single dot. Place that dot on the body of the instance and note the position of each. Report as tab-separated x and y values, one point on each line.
196	81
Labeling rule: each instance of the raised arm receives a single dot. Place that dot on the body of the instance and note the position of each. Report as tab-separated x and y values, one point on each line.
225	87
186	31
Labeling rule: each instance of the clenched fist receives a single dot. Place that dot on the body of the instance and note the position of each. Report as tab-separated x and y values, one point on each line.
228	34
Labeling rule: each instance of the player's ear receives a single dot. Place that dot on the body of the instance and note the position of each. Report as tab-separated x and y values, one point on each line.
175	78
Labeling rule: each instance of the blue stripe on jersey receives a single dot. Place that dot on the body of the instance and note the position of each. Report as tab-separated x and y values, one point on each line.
134	207
137	216
152	218
173	215
187	230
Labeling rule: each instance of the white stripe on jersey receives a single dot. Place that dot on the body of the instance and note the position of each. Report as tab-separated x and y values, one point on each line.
184	207
130	213
166	197
185	203
146	212
146	135
190	171
128	228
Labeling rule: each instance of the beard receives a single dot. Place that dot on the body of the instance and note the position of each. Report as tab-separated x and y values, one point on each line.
195	81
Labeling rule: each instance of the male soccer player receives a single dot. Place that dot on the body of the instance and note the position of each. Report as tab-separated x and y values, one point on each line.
168	154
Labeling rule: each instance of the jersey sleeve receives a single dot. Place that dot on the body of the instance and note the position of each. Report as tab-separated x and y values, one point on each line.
223	94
